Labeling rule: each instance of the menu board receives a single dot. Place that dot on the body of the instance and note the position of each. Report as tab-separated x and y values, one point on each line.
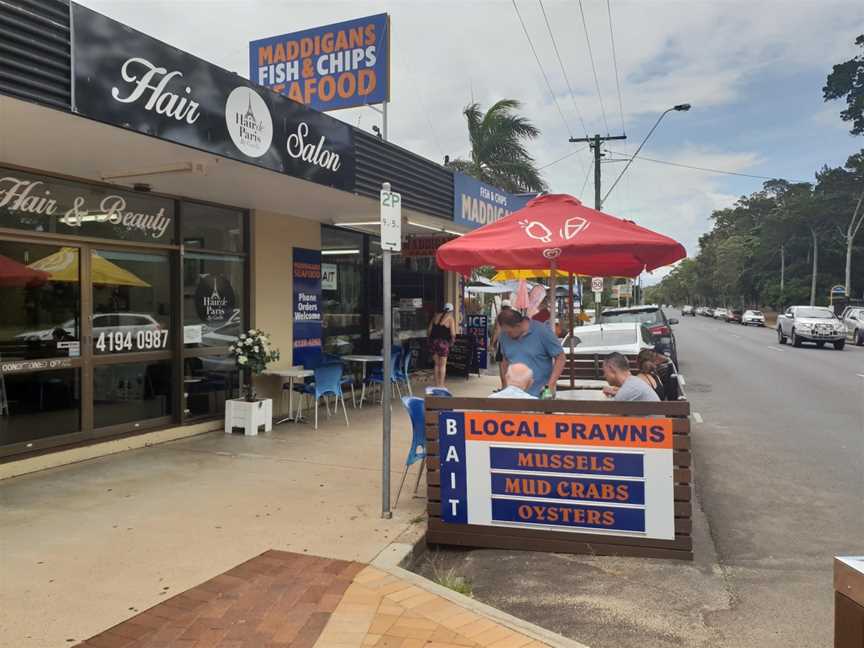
462	360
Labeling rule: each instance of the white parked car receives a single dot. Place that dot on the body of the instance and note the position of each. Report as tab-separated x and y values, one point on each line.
811	324
720	313
753	317
853	320
628	338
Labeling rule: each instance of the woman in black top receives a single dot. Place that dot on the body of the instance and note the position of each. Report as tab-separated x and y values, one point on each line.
442	331
648	372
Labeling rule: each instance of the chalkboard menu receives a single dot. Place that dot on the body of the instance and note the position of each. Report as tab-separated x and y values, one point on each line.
462	360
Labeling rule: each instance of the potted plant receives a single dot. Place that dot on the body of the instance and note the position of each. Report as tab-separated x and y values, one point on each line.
252	352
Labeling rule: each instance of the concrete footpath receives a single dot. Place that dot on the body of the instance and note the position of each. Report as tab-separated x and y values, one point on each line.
87	546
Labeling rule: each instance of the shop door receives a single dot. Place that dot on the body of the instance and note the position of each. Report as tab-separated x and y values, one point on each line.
43	395
129	338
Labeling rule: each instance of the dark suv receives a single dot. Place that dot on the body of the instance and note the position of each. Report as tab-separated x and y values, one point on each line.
656	321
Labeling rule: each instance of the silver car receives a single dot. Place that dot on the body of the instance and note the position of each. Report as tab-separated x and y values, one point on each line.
853	320
811	324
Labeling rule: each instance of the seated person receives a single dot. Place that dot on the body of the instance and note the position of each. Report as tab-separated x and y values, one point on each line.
668	375
647	361
518	379
623	385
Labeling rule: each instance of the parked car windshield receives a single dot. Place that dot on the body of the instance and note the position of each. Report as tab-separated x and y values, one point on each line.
821	313
752	312
601	338
643	317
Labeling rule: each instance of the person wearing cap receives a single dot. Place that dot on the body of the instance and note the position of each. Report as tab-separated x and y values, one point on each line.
496	336
526	341
442	332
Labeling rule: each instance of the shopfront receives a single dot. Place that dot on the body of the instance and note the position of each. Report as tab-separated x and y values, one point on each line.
352	298
140	234
118	308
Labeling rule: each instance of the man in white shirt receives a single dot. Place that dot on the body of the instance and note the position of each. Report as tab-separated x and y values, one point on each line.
518	378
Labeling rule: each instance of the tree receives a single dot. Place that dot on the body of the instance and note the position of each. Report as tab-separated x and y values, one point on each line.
498	153
847	80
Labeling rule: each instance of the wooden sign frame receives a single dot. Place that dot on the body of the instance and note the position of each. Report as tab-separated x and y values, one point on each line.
467	535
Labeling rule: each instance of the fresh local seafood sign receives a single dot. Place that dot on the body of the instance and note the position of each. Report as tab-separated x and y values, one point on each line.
604	475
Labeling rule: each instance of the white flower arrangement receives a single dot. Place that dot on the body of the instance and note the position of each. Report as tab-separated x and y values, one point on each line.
252	352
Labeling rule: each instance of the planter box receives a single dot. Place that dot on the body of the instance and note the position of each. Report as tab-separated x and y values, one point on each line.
248	416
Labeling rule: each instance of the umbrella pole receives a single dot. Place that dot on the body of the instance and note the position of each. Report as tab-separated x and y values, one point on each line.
570	326
554	302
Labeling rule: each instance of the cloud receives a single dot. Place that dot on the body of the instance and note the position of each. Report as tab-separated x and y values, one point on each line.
448	53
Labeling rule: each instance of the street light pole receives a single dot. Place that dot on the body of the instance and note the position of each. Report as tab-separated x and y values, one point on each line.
679	108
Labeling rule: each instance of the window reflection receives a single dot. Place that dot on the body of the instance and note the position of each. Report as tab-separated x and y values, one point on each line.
39	316
131	301
214	228
342	290
128	392
40	404
208	381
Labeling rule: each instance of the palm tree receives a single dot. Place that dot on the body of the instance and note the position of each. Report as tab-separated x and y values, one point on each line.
498	153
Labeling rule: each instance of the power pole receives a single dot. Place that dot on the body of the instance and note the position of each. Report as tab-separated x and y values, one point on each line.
594	143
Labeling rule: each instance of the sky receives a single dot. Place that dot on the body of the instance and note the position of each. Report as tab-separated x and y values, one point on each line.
752	71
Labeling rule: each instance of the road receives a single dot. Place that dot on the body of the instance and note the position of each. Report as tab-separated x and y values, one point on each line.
779	470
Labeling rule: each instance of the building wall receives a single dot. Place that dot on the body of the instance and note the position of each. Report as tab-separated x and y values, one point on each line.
274	237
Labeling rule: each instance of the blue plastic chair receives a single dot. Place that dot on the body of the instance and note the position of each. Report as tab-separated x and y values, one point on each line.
400	372
439	391
376	377
328	381
347	379
417	451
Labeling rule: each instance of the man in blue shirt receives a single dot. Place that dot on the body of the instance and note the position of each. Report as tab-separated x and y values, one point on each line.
534	344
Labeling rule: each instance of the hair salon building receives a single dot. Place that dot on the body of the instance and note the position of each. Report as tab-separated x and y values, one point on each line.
153	206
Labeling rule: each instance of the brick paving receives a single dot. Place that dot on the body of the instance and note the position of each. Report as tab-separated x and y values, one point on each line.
278	599
281	599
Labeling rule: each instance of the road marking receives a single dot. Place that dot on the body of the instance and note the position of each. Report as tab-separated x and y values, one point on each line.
735	335
860	375
774	348
698	417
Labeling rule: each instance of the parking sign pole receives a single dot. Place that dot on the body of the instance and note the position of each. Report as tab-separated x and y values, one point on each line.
391	241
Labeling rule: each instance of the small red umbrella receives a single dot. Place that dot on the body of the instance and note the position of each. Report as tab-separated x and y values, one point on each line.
14	274
556	231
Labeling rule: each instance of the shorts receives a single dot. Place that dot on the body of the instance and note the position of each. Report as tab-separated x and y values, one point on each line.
440	348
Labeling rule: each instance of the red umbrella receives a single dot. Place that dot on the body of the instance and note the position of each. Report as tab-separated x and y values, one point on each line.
558	231
14	274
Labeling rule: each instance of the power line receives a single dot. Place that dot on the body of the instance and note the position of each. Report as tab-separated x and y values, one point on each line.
542	71
698	168
563	70
593	67
572	153
615	63
585	182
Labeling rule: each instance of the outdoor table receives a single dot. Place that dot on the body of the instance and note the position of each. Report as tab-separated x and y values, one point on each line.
365	360
291	373
582	383
581	395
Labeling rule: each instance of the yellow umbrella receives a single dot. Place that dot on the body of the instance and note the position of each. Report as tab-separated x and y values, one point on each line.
511	275
63	266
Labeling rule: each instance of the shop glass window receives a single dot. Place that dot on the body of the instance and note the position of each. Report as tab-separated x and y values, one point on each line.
213	297
40	297
417	293
44	204
342	271
39	404
213	228
208	381
131	301
124	393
